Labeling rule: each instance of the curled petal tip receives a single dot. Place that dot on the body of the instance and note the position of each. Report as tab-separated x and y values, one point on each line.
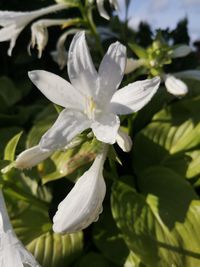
32	75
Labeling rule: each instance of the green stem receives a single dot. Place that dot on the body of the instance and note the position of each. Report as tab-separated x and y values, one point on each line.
87	17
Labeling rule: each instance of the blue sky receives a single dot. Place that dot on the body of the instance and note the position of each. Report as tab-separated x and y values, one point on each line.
165	13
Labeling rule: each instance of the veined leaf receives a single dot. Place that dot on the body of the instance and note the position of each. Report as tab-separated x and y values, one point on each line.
158	223
109	240
33	227
171	138
9	152
54	250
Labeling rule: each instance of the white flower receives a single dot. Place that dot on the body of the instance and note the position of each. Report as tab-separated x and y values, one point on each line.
124	141
12	251
175	86
91	100
83	204
14	22
60	55
101	9
39	33
181	51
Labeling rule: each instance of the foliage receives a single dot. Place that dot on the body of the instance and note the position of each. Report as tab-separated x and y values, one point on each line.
151	212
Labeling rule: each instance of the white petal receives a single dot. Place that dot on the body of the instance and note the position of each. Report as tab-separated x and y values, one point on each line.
60	56
188	74
115	4
105	128
134	96
56	89
31	157
39	36
69	124
111	71
181	51
81	70
124	141
15	22
12	251
5	224
9	32
101	9
133	64
83	204
175	86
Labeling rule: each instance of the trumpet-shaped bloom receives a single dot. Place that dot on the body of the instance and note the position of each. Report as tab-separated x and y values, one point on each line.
124	141
14	22
12	251
60	55
39	33
83	204
31	157
101	9
92	99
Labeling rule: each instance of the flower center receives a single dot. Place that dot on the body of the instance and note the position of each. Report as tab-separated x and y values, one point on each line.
90	107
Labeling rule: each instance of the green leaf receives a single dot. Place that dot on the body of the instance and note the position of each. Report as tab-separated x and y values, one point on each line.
158	223
171	137
93	259
9	152
133	261
8	92
73	160
43	122
33	227
109	240
5	136
193	169
54	250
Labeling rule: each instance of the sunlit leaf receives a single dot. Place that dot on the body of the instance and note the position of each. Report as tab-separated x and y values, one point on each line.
158	223
9	152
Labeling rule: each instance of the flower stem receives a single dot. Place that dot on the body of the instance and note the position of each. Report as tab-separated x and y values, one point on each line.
86	12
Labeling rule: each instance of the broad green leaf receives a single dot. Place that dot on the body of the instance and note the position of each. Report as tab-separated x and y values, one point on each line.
171	137
43	121
193	169
8	92
30	223
9	152
109	240
160	225
54	250
133	261
94	259
33	227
